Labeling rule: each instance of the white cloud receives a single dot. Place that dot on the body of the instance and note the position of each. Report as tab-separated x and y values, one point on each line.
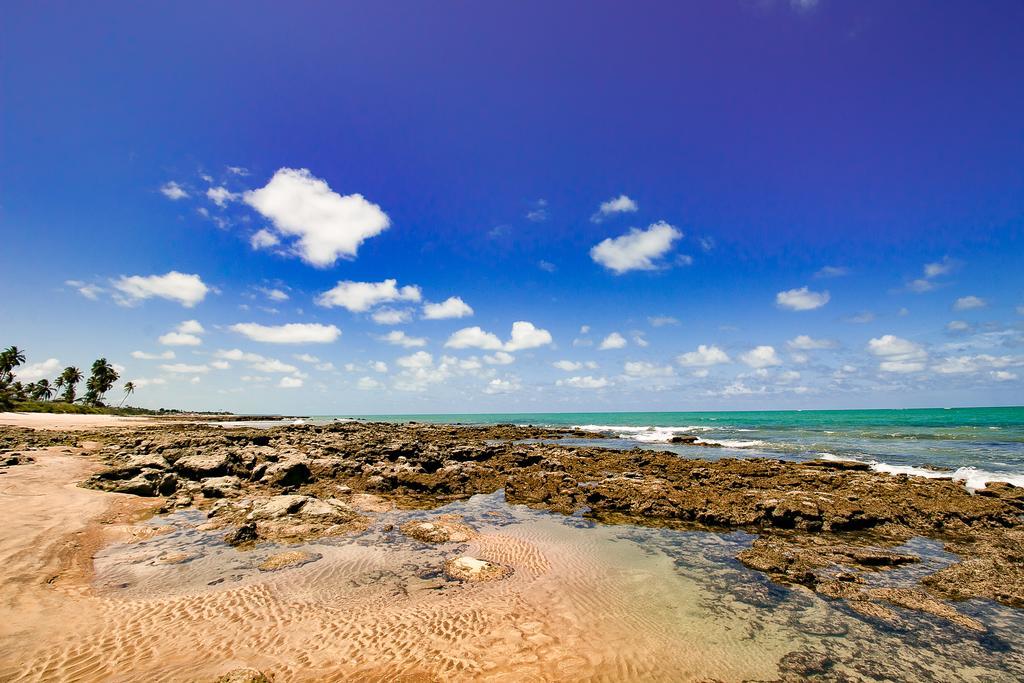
86	290
273	293
499	358
802	299
186	289
328	225
547	266
1003	376
502	386
567	365
939	268
220	196
644	369
705	356
173	190
420	359
971	364
289	383
452	307
190	327
368	384
620	204
391	316
142	355
400	338
539	212
473	338
612	341
359	297
184	368
143	382
263	239
306	358
958	326
920	286
637	249
585	382
967	303
291	333
761	357
379	366
220	365
897	355
832	271
179	339
524	335
35	371
273	365
804	342
860	318
662	320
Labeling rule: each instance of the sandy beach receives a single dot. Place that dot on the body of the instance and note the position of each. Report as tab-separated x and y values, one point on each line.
70	422
375	552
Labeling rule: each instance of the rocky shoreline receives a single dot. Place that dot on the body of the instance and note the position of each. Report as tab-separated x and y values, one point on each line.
833	527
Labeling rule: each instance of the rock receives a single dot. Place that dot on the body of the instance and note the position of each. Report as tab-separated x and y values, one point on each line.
147	461
681	438
245	676
437	531
221	487
288	560
243	535
475	570
287	473
202	466
803	664
279	506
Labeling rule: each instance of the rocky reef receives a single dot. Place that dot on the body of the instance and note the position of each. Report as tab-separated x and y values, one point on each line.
829	526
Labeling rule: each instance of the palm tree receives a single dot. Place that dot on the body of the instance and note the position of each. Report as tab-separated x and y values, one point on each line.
70	377
129	389
100	381
10	358
42	391
58	384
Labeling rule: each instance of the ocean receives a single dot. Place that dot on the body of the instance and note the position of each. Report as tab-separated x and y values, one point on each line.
974	445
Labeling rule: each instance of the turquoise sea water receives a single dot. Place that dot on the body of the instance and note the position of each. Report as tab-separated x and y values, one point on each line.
972	444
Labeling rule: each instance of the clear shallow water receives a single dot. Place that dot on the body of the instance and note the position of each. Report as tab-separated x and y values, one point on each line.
586	602
976	445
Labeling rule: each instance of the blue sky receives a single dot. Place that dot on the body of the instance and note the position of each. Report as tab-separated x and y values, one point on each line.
805	204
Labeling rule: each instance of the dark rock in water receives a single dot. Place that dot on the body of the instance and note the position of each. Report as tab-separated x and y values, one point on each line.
800	665
681	438
244	676
846	465
242	535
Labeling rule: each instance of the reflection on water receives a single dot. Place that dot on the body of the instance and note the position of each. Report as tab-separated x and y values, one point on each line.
587	601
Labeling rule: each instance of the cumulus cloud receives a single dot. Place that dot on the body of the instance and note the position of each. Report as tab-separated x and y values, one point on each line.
499	358
368	384
273	293
637	249
641	369
662	320
190	327
143	355
391	316
897	355
452	307
705	356
263	239
524	335
620	204
89	291
420	359
612	341
939	268
142	382
761	357
291	333
289	383
186	289
327	225
802	299
502	386
220	196
967	303
972	364
173	190
805	342
36	371
585	382
958	326
179	339
400	338
359	297
185	368
572	366
1003	376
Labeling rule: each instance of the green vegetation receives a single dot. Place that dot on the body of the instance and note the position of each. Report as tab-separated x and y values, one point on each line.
82	409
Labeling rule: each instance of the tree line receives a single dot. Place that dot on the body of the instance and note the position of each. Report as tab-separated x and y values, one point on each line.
63	388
